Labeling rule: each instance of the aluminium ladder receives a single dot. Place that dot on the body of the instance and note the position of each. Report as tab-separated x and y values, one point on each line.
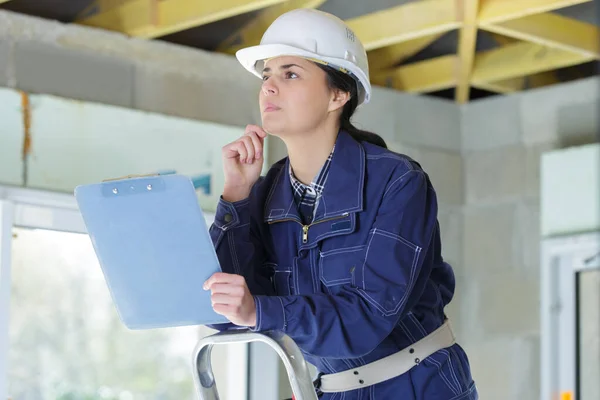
286	348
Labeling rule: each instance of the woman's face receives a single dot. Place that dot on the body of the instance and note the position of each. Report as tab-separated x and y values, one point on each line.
294	97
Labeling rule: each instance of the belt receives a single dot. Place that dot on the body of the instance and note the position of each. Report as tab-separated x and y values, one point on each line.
388	367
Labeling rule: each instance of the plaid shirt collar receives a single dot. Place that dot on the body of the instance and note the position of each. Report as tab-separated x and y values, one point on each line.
307	195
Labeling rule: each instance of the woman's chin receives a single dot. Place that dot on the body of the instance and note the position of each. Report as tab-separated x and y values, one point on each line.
274	128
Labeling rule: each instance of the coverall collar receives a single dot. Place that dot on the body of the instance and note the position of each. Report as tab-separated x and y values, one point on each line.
343	193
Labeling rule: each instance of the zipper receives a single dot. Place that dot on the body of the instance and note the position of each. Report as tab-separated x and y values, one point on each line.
306	227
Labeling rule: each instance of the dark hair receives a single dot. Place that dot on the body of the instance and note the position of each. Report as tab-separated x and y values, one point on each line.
338	80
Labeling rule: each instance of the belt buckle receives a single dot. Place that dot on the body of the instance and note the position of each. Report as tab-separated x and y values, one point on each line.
317	384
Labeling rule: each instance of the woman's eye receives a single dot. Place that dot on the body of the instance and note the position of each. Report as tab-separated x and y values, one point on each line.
264	78
291	75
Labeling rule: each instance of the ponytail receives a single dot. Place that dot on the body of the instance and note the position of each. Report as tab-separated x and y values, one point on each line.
338	80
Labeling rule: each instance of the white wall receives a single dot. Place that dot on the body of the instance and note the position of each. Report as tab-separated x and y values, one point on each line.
570	202
76	142
503	140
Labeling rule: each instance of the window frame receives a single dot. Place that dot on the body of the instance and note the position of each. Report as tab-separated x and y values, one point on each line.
563	259
58	211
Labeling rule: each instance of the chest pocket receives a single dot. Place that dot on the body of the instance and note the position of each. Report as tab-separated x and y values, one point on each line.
341	267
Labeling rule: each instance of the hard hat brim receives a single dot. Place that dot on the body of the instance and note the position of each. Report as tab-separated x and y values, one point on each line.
252	57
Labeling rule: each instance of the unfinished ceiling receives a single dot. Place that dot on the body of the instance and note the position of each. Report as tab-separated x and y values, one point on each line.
460	49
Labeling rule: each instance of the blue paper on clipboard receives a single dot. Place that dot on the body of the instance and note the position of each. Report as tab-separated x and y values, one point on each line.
154	248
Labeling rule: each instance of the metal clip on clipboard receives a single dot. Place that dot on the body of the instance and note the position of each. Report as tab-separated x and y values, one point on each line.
286	348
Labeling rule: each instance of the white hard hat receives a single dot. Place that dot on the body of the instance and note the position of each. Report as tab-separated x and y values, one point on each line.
314	35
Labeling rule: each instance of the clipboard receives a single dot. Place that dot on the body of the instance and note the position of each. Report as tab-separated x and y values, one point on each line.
153	245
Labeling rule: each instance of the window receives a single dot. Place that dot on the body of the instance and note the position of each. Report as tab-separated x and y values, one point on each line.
65	339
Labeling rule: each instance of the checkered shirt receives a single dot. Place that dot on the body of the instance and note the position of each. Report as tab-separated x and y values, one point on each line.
307	196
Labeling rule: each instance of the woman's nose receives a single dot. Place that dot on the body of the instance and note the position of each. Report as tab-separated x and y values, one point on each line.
269	88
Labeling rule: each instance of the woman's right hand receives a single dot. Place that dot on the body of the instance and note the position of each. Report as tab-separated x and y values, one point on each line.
242	163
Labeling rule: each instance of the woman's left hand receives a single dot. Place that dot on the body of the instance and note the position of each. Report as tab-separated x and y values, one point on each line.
231	297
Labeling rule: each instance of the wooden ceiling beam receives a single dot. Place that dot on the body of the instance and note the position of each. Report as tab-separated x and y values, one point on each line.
252	32
421	77
552	30
498	70
151	18
405	22
467	39
521	59
495	11
504	86
387	57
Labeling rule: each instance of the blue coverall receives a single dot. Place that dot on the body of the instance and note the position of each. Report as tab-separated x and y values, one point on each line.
364	280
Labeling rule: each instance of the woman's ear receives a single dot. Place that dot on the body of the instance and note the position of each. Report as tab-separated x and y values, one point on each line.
338	99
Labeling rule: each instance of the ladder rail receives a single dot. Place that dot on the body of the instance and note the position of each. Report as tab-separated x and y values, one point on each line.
289	352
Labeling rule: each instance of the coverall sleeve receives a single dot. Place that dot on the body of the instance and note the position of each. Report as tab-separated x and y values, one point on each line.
237	245
238	249
388	279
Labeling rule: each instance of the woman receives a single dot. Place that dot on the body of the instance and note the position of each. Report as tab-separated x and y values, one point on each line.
338	246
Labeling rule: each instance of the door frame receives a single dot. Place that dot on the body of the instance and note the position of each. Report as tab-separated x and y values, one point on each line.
563	258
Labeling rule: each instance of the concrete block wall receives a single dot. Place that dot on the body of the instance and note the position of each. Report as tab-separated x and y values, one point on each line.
502	140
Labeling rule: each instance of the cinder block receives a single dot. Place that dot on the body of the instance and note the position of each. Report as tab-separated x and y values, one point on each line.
496	174
491	364
578	124
379	115
452	232
528	227
77	74
215	101
491	123
445	170
505	368
11	138
508	303
4	62
423	121
540	108
532	167
489	242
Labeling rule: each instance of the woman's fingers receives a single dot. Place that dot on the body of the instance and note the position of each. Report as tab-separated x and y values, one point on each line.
225	299
257	143
230	289
235	149
223	278
249	147
230	297
256	129
250	151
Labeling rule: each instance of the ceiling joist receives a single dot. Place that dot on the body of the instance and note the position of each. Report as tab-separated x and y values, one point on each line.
552	30
521	59
151	18
405	22
251	33
494	11
504	86
387	57
535	41
501	70
467	39
421	77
